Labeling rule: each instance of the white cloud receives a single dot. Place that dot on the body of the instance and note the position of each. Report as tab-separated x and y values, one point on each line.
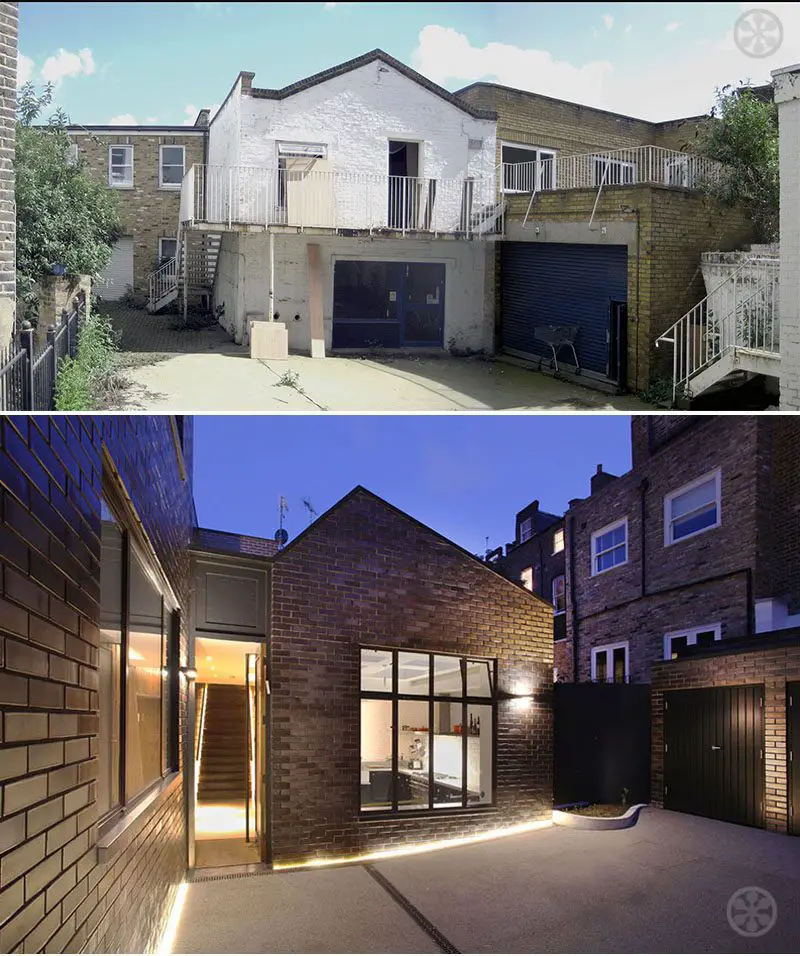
703	63
151	119
124	119
673	26
64	64
628	28
190	111
25	66
608	20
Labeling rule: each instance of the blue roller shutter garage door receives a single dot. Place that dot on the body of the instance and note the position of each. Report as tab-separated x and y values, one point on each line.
561	284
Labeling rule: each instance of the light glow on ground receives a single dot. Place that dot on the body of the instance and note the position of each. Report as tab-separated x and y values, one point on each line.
421	847
168	939
218	821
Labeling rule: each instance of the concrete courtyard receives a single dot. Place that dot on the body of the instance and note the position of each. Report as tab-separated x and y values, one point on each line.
662	886
181	370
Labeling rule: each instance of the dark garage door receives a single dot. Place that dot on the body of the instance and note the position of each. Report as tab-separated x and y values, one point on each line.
793	745
714	756
565	284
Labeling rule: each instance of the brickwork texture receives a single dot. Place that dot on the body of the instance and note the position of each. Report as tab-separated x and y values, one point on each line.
55	896
368	575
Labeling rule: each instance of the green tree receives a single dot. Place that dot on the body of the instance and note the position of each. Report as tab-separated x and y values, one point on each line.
64	216
743	136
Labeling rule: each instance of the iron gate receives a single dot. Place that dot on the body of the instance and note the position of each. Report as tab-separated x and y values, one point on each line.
714	753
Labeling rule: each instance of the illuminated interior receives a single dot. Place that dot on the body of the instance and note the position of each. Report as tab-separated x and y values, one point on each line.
223	833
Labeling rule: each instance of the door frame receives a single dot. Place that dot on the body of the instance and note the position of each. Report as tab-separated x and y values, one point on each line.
793	756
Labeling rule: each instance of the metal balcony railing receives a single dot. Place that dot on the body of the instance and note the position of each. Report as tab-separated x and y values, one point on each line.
651	165
249	195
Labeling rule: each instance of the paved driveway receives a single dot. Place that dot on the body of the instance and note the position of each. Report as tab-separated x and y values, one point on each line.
661	886
202	370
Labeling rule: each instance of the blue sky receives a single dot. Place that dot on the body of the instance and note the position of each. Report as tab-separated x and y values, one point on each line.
464	476
162	61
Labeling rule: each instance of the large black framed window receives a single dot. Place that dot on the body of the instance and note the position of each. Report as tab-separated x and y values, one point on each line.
138	669
428	728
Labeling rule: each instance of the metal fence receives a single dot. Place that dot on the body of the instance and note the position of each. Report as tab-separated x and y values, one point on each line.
28	370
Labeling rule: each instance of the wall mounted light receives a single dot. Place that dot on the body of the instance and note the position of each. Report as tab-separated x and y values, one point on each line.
190	673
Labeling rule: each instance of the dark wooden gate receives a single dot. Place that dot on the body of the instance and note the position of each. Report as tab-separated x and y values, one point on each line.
601	743
714	753
793	748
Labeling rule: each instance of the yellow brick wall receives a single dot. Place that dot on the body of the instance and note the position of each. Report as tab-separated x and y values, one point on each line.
674	227
149	212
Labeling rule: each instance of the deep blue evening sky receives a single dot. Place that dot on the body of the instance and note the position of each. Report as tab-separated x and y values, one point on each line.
464	476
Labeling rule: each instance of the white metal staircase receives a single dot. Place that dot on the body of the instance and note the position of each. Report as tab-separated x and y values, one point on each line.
734	328
192	271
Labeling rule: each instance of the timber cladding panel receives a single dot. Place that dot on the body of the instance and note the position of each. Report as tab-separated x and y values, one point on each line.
9	20
368	575
771	667
149	212
668	229
55	894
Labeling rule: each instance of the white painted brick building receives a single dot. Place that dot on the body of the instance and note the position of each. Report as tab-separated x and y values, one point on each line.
389	176
787	96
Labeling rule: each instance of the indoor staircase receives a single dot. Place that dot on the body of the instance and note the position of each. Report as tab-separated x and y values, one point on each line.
735	329
198	254
223	761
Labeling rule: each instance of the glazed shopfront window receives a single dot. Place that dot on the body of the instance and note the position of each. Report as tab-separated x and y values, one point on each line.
427	731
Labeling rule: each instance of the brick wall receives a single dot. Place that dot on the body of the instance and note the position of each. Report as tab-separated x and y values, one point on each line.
771	667
8	91
367	574
673	227
55	894
695	582
149	212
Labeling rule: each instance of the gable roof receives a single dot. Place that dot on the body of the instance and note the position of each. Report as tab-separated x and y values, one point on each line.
361	491
363	60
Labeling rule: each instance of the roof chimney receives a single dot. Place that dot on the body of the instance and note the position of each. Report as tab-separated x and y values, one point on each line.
600	479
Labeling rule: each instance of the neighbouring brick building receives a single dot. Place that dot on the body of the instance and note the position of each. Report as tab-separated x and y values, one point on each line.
536	559
8	220
699	542
406	686
621	266
145	164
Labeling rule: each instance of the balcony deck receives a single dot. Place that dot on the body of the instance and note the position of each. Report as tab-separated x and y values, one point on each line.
255	199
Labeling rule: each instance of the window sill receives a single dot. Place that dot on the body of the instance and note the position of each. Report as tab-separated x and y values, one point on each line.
112	186
170	189
123	832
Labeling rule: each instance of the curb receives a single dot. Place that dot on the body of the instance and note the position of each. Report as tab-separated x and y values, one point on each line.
579	822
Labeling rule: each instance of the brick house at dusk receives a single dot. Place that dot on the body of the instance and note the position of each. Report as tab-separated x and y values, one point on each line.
392	690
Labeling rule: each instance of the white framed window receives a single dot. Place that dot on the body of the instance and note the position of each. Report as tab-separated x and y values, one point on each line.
558	541
526	530
167	249
528	578
72	154
610	663
171	165
120	167
694	508
559	594
676	641
613	172
610	547
526	168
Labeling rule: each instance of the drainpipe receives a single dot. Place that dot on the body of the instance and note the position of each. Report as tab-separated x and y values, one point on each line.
644	484
573	600
271	276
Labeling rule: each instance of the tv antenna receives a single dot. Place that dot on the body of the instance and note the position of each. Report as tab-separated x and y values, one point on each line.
282	535
312	511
